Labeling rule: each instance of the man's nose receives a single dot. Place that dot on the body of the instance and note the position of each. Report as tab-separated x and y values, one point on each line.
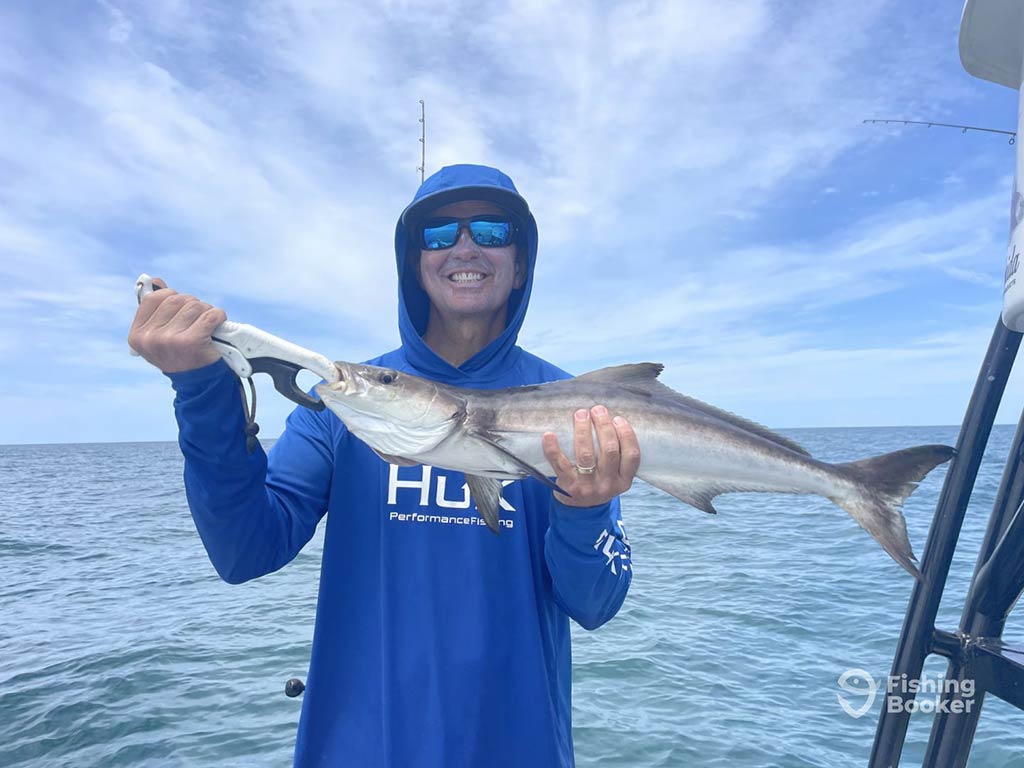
464	246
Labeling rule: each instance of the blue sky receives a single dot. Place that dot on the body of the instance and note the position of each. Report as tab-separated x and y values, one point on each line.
707	194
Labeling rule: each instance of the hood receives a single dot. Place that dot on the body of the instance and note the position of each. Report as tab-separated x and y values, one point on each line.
450	184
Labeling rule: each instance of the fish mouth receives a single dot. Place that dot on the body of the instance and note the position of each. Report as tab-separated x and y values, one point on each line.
343	386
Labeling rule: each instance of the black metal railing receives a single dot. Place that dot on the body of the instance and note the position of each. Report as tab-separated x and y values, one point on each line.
975	652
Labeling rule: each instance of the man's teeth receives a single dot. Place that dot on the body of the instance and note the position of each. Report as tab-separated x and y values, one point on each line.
466	277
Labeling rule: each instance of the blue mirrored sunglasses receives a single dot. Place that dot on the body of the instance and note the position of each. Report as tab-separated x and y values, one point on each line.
488	231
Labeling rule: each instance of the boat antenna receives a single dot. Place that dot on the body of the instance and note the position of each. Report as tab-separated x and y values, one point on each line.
963	128
422	168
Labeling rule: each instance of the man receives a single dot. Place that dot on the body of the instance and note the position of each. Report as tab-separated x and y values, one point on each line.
437	643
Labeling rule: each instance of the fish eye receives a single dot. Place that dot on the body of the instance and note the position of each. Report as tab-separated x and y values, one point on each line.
385	378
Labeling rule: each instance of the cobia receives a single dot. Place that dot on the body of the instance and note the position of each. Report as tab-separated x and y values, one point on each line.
689	449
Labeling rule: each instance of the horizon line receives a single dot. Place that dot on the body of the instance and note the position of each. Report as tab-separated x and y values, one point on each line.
780	429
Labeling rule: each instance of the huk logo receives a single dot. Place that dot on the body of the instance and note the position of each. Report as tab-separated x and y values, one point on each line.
606	545
431	489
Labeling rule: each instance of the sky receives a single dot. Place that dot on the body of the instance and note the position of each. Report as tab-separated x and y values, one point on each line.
707	194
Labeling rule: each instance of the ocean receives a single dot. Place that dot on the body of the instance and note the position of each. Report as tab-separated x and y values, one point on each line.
119	646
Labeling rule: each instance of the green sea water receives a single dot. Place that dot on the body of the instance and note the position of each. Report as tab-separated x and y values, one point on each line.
119	646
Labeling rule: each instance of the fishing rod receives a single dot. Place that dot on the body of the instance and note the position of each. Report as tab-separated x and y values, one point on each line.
930	123
422	168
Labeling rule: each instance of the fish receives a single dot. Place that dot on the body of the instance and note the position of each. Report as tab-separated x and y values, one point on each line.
689	449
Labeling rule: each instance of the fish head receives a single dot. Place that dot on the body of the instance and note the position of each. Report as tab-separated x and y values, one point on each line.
393	411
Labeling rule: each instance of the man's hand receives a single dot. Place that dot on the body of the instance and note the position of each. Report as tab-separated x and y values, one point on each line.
173	331
614	466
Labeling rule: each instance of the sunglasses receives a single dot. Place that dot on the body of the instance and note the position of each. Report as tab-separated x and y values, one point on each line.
489	231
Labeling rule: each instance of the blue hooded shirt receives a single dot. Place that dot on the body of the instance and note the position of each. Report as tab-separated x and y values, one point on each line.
437	643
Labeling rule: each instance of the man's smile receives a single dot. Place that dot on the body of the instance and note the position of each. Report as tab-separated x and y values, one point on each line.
466	276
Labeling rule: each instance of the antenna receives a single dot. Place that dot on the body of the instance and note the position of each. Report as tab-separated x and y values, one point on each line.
963	128
422	168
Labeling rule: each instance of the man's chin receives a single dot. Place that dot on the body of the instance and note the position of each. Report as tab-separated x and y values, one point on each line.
467	307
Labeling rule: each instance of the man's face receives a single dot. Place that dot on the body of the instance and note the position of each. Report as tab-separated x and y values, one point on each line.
468	279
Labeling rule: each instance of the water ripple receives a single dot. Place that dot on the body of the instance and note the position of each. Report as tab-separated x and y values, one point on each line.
726	653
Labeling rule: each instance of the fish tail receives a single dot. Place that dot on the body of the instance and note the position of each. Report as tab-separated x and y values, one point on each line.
880	486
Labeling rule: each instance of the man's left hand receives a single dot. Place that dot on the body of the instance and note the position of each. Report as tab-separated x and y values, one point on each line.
612	467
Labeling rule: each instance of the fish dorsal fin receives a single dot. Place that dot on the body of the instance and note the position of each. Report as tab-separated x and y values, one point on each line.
636	374
643	377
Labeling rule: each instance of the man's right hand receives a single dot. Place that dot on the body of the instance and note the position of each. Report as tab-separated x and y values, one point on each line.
173	331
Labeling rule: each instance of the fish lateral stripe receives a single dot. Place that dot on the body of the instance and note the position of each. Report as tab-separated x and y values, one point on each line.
643	377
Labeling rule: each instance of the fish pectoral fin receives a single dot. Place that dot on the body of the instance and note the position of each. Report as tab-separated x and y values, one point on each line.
697	495
527	469
400	461
486	492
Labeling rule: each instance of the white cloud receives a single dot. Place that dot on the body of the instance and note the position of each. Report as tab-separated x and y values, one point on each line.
987	279
120	27
258	158
705	299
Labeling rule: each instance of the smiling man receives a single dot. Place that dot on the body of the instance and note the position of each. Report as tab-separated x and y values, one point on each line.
437	643
468	283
